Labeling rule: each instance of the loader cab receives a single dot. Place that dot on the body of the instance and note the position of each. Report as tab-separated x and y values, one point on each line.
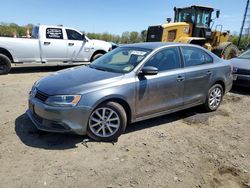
199	17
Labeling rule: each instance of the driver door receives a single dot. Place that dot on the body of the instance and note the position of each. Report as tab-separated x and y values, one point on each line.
78	49
164	91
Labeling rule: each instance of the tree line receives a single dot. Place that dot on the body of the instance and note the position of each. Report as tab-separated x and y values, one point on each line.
11	29
125	38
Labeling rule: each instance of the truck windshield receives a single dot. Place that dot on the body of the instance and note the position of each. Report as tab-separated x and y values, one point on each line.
35	32
120	60
186	15
203	18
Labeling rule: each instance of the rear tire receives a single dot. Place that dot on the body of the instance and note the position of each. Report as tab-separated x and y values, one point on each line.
96	56
107	122
214	98
5	64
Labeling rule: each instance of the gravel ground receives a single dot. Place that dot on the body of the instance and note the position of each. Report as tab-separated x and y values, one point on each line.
185	149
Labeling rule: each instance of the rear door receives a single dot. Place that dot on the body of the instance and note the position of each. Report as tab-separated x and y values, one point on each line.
198	73
53	44
77	50
164	91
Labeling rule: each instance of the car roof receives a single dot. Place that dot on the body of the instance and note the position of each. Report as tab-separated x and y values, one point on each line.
149	45
155	45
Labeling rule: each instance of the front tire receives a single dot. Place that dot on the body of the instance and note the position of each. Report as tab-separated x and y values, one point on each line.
214	98
5	64
107	122
96	56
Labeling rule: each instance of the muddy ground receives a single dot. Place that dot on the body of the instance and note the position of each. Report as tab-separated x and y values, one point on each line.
185	149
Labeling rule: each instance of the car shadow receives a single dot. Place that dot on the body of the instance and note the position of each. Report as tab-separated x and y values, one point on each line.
190	116
32	137
36	69
240	90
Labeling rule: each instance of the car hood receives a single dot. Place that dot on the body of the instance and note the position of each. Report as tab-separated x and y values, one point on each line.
101	43
77	80
241	63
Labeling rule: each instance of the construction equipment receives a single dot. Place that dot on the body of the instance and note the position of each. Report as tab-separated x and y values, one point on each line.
193	25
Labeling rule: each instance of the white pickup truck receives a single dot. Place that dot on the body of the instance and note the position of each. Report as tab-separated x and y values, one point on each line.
50	44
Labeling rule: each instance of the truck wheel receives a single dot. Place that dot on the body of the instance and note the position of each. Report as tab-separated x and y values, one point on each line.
214	98
226	50
96	56
5	64
107	122
230	52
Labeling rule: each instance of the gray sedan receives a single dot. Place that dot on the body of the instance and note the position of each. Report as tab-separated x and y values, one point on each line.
241	70
129	84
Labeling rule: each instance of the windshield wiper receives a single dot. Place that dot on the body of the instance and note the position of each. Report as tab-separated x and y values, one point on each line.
97	68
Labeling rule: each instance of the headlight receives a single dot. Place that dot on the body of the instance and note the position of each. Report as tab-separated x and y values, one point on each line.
32	93
63	100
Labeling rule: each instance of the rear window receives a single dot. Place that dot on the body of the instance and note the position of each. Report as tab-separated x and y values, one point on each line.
195	56
245	55
35	32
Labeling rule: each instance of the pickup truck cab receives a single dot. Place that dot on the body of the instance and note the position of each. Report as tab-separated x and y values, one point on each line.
50	44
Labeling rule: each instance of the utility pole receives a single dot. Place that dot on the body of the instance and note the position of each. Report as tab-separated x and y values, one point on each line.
243	22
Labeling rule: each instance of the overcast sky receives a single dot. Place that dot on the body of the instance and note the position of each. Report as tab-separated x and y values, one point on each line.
113	16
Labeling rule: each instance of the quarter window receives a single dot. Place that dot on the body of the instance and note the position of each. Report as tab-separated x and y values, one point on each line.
73	35
166	59
54	33
195	56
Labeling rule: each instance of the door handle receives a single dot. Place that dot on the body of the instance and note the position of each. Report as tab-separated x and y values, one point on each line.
180	78
46	43
71	44
209	73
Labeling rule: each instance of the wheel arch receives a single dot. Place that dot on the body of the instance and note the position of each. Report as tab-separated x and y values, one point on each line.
220	82
7	53
120	101
97	52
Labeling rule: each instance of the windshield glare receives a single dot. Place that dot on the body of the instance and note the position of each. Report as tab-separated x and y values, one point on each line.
120	60
245	55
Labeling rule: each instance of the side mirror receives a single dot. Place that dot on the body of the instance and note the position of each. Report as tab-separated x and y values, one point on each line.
84	38
149	70
217	13
169	20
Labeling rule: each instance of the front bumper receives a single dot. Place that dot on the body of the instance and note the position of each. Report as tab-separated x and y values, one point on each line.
242	80
59	119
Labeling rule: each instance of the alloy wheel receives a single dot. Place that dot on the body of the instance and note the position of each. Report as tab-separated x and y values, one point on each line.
104	122
215	98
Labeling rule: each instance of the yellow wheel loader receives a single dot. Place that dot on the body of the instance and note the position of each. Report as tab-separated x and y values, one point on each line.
193	25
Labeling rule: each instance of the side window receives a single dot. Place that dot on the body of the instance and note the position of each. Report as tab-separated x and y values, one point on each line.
166	59
195	56
54	33
73	35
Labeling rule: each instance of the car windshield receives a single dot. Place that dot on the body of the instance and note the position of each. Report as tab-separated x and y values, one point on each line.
245	55
120	60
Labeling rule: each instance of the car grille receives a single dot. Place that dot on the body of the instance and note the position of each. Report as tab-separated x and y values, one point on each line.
41	96
243	71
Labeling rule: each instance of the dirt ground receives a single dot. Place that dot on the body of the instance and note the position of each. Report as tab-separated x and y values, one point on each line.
184	149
